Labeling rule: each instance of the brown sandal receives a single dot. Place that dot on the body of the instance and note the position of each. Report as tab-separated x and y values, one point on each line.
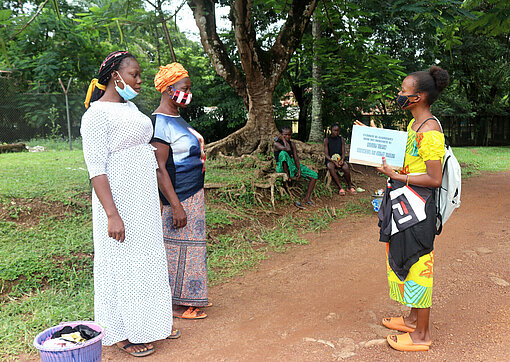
175	334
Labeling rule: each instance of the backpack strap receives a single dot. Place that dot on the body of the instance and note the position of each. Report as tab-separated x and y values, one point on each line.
425	121
446	141
440	222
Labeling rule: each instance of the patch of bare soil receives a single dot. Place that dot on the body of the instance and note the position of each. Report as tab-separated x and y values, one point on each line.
28	212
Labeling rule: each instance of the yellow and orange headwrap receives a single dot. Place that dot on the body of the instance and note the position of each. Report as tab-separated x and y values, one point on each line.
93	85
168	75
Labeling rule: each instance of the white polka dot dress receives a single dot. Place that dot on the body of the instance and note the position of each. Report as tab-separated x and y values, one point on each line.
132	296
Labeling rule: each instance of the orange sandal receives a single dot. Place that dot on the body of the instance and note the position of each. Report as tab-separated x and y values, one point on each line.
405	343
191	313
341	192
396	323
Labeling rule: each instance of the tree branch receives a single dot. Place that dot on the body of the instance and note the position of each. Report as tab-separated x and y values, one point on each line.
289	37
246	41
153	5
204	14
32	19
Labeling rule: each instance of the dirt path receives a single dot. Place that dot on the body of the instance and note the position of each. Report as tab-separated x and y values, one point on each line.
324	301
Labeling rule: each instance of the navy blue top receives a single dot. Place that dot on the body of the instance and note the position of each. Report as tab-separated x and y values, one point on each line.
187	165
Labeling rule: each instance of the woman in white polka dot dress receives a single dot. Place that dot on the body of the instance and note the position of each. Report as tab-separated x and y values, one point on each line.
132	297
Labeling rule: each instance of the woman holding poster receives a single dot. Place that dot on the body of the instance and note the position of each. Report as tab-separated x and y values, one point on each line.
408	211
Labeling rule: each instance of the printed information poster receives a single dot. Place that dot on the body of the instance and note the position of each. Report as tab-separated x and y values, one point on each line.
370	144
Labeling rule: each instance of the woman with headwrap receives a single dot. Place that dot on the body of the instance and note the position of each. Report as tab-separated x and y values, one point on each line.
180	155
132	298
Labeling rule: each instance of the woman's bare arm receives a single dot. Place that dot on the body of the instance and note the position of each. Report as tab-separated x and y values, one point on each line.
103	191
432	178
166	187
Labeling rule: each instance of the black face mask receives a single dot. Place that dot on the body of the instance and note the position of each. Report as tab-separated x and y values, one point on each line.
404	101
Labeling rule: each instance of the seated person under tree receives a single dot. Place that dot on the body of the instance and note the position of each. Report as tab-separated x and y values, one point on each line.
287	161
334	151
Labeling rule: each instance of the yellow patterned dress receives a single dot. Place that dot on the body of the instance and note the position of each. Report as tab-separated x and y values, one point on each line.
416	290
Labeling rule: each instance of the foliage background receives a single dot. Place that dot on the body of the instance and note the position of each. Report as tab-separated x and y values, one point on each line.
365	49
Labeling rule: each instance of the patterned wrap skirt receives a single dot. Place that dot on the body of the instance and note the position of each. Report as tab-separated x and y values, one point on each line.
186	253
416	290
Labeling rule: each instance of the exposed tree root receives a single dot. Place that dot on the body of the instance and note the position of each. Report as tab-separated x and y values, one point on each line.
13	147
271	182
354	170
244	141
328	179
213	185
255	161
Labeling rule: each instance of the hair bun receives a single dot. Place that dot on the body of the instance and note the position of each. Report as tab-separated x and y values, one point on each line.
441	77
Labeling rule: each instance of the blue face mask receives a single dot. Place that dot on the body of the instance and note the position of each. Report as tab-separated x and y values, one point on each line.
127	93
404	101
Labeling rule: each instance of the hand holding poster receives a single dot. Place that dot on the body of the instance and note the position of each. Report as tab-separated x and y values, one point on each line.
369	145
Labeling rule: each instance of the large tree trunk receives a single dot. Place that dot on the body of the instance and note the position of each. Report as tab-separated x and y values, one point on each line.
262	68
258	133
303	121
316	134
303	101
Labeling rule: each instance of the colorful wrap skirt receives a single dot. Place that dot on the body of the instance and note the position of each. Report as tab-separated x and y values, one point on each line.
285	157
186	253
416	290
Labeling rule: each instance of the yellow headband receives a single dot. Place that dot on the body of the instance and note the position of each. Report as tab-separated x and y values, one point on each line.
93	84
168	75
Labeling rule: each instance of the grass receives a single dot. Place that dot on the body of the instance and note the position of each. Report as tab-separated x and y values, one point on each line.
216	217
23	319
229	256
46	270
53	175
55	144
230	173
477	159
45	278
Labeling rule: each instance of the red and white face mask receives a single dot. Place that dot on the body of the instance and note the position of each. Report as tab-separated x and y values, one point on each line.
181	97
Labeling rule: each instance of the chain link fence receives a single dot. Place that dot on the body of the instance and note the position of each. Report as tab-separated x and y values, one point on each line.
25	116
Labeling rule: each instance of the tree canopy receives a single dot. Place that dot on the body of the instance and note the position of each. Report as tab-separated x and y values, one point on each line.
242	74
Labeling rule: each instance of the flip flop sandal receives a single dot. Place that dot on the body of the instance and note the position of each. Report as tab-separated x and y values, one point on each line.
137	354
299	205
175	334
310	203
352	191
405	343
341	192
191	313
396	323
